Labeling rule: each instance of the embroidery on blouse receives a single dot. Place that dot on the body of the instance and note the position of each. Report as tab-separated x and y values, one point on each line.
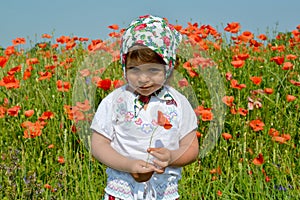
162	94
131	117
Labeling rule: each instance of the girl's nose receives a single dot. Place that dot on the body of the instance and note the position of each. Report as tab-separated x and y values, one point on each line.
143	78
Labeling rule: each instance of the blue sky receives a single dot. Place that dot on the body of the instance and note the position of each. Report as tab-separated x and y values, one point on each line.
90	18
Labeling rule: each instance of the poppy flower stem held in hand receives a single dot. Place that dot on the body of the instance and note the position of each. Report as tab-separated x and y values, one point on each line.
161	121
150	143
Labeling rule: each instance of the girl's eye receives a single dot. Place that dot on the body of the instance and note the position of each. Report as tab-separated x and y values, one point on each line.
133	69
154	70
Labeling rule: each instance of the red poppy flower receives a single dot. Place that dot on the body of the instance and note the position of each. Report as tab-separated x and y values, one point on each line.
226	136
291	57
255	45
61	159
199	60
193	73
290	98
73	129
26	75
206	115
42	45
246	36
2	111
118	83
3	61
187	65
163	121
259	160
286	136
278	60
233	110
241	56
243	111
14	70
268	179
18	41
10	50
77	115
32	129
10	82
104	84
13	111
228	100
63	86
81	39
234	84
238	63
69	110
31	61
296	83
45	35
50	67
29	113
287	66
273	132
217	170
85	106
178	27
70	44
114	27
233	27
262	37
114	35
183	82
63	39
228	76
198	110
268	90
279	48
45	75
85	72
46	115
54	46
198	134
279	139
47	186
257	125
256	80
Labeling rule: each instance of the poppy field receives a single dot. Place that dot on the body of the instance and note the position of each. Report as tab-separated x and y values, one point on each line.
49	92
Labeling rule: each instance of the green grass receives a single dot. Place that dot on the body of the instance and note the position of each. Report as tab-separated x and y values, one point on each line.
28	164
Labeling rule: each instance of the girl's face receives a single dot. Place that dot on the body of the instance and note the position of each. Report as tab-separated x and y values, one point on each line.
145	78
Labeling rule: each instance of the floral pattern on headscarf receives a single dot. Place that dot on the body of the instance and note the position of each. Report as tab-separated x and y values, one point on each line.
155	33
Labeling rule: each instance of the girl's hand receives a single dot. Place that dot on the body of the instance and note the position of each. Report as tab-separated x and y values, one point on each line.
142	177
163	157
142	171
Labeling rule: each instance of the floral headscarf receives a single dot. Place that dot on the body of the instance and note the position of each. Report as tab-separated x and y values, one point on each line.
155	33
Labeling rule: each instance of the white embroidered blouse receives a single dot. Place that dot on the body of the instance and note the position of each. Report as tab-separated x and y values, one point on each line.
133	129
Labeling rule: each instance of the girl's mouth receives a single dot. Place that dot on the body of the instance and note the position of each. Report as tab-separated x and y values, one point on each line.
145	87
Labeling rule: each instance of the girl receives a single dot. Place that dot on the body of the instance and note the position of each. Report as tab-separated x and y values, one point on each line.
145	131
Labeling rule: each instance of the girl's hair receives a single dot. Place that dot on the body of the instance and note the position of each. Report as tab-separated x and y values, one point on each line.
144	55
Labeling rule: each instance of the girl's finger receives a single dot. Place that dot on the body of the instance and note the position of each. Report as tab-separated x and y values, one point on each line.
157	155
161	164
153	149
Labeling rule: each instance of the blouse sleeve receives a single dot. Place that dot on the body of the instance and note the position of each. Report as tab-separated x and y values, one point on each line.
188	117
102	121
